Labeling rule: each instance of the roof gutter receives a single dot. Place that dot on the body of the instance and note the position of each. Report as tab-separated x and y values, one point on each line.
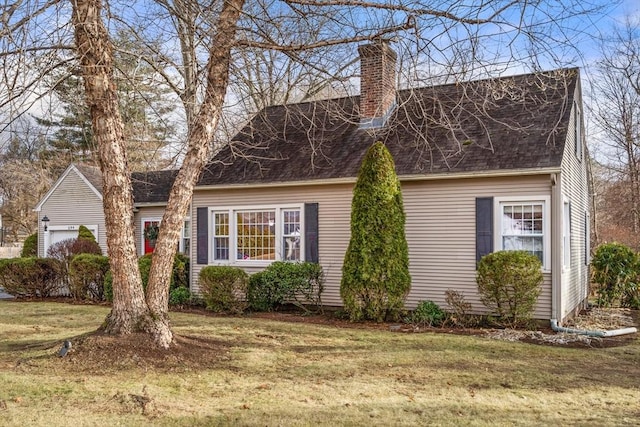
150	205
403	178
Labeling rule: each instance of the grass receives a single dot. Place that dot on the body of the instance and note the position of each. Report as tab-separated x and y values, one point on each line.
277	373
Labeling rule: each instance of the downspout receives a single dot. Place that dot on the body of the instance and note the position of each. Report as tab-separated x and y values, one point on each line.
556	262
599	334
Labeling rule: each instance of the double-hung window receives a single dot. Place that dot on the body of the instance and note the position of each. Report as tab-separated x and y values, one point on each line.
221	236
256	235
291	234
185	242
524	225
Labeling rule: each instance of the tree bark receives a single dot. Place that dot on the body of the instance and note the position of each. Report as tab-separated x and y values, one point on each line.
198	153
129	312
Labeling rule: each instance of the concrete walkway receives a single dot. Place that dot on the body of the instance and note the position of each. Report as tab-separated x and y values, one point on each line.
4	295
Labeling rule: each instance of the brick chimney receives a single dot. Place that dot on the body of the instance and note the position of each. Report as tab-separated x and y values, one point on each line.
377	83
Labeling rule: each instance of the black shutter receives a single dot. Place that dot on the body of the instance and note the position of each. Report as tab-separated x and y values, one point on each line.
202	236
311	232
484	226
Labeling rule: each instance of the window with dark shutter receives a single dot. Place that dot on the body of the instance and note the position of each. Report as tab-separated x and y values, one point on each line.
311	232
202	236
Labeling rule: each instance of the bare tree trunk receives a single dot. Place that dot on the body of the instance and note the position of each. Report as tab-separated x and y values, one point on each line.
130	312
199	151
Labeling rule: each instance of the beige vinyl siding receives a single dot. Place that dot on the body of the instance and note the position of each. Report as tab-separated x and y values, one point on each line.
73	203
440	230
574	187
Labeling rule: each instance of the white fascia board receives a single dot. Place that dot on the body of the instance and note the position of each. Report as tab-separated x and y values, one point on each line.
403	178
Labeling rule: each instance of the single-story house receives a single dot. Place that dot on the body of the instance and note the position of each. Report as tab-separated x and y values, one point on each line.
75	199
484	165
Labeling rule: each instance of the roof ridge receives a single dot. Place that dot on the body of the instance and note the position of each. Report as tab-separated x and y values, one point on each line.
419	88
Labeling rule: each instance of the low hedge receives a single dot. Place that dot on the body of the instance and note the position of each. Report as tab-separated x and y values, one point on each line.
87	276
31	276
297	283
179	275
224	288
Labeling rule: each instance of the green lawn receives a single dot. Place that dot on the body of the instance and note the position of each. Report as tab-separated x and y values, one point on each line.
277	373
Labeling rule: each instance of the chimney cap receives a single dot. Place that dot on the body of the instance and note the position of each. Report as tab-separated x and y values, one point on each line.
377	46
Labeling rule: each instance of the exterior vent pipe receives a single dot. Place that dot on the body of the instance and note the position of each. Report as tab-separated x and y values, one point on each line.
599	334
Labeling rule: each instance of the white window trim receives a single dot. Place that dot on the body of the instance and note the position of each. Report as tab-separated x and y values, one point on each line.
546	223
233	233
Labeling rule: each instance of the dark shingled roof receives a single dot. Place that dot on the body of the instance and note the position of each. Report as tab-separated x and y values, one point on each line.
148	187
92	174
153	186
510	123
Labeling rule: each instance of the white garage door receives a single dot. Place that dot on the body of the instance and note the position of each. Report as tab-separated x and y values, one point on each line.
60	235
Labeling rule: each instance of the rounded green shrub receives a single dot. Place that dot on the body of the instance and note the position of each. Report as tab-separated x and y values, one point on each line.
375	273
297	283
87	275
615	269
144	265
509	283
30	246
179	296
260	295
427	313
180	271
223	288
179	274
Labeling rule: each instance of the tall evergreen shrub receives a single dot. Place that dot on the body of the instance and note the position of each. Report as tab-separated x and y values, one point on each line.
86	234
30	247
375	273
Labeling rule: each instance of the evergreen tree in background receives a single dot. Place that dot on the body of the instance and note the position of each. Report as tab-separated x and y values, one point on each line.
145	106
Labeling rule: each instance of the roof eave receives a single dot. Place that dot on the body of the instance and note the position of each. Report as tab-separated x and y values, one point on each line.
403	178
149	204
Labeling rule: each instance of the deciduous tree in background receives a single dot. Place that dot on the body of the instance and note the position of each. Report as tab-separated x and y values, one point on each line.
440	42
616	107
